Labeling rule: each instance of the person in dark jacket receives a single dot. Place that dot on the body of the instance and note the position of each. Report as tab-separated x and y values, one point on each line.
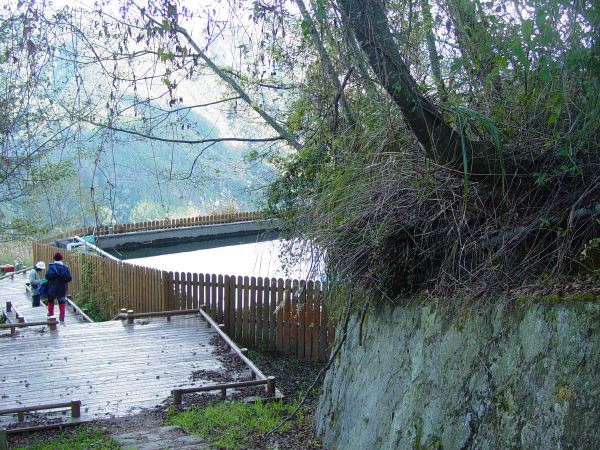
58	276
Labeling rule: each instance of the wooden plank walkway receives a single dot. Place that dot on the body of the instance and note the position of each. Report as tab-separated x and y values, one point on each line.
13	290
115	369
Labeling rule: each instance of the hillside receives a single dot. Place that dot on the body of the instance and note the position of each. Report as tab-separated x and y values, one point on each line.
136	179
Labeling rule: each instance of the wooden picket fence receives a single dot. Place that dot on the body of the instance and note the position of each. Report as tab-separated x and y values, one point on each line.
159	225
275	314
288	316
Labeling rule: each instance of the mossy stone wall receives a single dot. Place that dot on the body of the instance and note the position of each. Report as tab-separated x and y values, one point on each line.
511	375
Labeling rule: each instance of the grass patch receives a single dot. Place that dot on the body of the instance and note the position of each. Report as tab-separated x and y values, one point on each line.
80	439
231	424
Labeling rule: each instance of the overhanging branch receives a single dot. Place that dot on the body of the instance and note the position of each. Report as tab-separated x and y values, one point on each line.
185	141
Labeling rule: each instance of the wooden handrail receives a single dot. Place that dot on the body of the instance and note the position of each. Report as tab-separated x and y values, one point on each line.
10	307
269	382
255	370
12	274
159	224
75	406
130	315
51	322
78	310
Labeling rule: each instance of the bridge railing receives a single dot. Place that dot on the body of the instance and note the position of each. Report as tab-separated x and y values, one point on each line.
159	225
288	316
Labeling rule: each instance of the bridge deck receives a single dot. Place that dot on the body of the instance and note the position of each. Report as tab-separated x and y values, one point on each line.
115	369
13	290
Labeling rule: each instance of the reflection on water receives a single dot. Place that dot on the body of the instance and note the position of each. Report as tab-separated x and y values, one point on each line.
260	259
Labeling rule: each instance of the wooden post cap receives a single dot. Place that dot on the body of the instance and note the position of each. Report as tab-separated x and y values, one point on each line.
52	322
271	386
76	408
176	397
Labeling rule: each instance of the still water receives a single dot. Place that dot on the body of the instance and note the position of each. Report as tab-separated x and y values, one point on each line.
261	256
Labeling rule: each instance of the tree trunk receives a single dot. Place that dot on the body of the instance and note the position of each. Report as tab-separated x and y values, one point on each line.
325	60
444	145
434	57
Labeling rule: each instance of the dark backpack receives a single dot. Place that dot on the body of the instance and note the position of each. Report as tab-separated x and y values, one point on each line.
43	288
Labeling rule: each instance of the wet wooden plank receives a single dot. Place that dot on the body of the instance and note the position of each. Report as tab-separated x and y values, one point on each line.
309	320
252	314
293	318
301	312
13	290
316	352
111	367
259	299
274	316
239	309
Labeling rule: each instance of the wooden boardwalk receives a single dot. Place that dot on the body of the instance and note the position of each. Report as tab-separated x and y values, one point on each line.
113	368
13	290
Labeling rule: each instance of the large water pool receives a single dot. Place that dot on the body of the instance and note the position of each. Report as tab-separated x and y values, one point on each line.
247	256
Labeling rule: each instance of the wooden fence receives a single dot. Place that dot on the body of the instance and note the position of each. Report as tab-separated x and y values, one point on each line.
275	314
287	316
159	225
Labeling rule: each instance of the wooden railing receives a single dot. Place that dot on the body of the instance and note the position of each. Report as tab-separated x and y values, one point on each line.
50	323
159	225
20	318
273	314
11	275
75	406
287	316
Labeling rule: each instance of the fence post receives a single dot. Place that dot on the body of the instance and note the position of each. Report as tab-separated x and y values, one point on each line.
226	302
52	323
8	306
76	408
176	397
166	285
271	386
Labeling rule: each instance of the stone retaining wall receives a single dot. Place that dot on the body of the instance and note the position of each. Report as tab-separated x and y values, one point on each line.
511	376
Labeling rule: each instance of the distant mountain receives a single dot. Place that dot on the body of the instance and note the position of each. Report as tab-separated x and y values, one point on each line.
136	179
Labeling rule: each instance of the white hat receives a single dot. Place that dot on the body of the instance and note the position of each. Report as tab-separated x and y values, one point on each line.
40	265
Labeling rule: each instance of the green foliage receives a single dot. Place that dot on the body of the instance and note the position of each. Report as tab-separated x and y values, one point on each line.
84	437
230	424
89	297
521	80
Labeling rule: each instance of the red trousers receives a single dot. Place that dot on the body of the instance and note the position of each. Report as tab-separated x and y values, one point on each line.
61	308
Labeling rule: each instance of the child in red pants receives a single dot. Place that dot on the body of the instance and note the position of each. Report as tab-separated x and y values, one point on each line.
58	276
